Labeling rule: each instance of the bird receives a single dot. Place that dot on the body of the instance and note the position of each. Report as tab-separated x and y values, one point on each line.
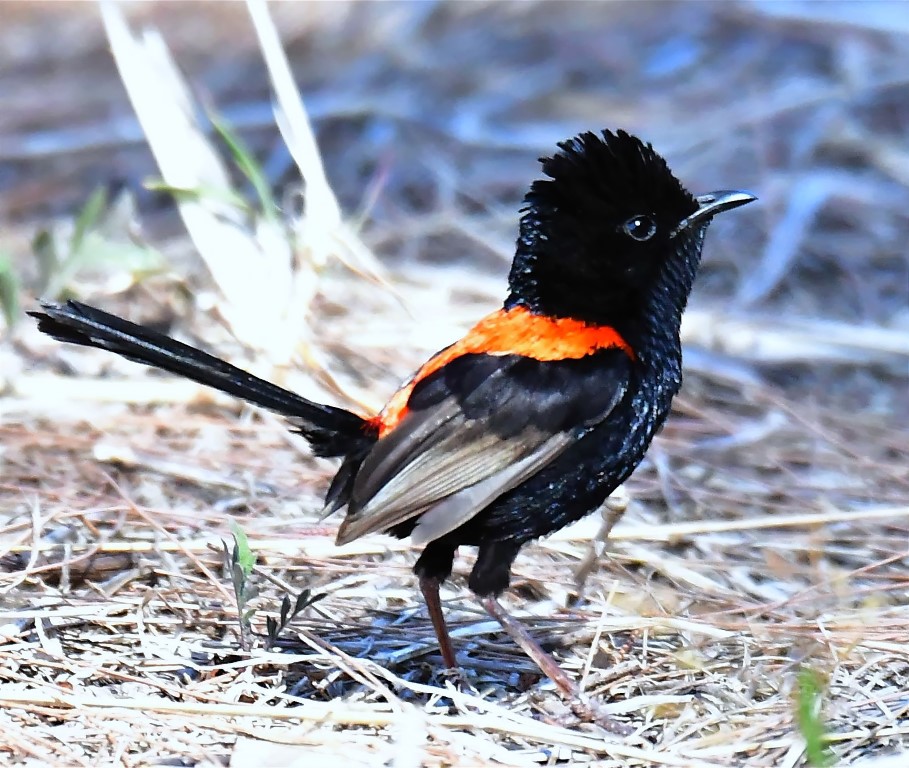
538	413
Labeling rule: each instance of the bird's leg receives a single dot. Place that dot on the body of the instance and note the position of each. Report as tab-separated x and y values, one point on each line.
489	577
432	568
429	586
584	709
548	665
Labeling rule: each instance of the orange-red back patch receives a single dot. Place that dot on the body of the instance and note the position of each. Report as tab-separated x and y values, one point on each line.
515	331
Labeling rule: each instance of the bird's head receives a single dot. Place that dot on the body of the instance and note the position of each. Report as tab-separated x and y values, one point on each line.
608	227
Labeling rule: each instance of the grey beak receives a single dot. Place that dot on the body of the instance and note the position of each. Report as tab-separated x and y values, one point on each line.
713	203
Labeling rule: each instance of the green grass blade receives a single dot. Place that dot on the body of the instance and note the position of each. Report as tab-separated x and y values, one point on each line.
9	290
246	559
88	218
811	724
248	166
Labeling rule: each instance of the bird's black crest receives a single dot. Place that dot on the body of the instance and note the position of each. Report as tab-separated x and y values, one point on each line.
617	170
574	255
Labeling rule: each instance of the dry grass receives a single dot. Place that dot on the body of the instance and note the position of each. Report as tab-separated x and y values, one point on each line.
767	530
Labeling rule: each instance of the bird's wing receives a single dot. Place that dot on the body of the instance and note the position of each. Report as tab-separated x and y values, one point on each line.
474	429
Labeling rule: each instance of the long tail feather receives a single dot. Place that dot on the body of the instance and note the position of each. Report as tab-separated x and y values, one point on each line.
330	430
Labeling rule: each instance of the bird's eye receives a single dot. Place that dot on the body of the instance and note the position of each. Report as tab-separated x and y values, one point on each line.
640	227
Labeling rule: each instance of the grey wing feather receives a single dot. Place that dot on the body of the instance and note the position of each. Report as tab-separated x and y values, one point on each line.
459	507
462	455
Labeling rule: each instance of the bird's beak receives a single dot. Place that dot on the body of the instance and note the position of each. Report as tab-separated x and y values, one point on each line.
711	204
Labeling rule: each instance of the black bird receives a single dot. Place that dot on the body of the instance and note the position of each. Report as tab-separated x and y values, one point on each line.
534	417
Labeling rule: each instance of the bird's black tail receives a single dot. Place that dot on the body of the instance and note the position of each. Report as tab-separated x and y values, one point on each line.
331	431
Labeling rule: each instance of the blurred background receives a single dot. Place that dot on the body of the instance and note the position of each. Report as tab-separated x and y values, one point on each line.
430	117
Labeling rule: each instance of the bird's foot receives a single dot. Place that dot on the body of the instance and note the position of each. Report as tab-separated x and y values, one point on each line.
458	677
